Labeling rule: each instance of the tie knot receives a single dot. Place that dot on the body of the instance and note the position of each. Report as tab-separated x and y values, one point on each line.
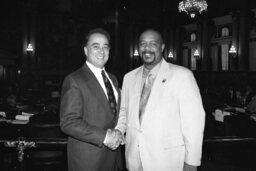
103	72
149	75
149	78
105	78
148	82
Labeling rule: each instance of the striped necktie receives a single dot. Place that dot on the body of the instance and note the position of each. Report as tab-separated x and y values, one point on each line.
144	95
110	93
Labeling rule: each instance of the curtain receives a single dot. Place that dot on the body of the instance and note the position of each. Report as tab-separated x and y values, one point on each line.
185	58
252	56
214	57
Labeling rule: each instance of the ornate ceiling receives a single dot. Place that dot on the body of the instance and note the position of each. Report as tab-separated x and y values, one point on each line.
138	11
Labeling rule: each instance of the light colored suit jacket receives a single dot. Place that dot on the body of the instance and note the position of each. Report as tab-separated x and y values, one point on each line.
171	131
85	115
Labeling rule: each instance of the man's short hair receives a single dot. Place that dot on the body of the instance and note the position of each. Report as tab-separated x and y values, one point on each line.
99	31
153	30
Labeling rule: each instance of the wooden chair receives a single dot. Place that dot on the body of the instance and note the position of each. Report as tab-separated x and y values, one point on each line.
45	157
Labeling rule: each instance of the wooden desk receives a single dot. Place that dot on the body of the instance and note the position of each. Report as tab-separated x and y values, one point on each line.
236	123
40	135
25	144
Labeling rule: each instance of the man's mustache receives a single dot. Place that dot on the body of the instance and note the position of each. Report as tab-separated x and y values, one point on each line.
144	52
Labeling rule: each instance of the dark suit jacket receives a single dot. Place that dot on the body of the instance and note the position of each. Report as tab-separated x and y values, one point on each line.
85	115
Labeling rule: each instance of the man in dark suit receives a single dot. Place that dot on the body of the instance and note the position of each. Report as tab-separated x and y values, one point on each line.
88	111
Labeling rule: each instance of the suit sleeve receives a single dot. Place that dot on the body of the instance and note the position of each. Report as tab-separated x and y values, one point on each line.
192	118
71	121
122	118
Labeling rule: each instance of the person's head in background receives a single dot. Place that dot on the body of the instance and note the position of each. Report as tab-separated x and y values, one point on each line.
97	47
151	47
11	99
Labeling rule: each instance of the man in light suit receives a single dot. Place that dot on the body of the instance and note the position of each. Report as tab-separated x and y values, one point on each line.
165	133
88	111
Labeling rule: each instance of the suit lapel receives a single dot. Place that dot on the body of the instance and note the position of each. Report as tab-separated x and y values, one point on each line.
137	84
159	83
160	79
118	93
117	89
96	88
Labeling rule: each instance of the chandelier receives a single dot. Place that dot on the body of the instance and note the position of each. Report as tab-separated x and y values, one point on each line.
192	7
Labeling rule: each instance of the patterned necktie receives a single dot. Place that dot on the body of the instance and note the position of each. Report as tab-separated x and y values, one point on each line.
110	93
144	95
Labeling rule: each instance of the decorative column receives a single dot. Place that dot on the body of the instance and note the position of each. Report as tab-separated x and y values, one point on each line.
199	40
178	46
185	57
224	57
205	46
233	59
170	46
243	44
193	60
252	55
28	60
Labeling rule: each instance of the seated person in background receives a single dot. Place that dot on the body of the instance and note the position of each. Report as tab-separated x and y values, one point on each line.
253	117
250	98
249	93
11	100
240	96
229	95
251	107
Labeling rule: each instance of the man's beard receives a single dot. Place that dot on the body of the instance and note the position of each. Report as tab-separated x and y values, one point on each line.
152	57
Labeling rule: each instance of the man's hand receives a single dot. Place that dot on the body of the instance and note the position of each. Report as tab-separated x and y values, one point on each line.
113	139
120	135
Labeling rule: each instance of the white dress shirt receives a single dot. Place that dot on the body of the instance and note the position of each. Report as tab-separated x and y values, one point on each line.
97	73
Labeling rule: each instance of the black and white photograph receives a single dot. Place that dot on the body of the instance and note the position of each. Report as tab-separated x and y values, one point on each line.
128	85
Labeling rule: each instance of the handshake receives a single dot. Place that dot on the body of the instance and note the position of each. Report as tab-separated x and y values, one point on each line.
113	139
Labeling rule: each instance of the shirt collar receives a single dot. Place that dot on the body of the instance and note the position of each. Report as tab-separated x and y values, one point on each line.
153	71
94	69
